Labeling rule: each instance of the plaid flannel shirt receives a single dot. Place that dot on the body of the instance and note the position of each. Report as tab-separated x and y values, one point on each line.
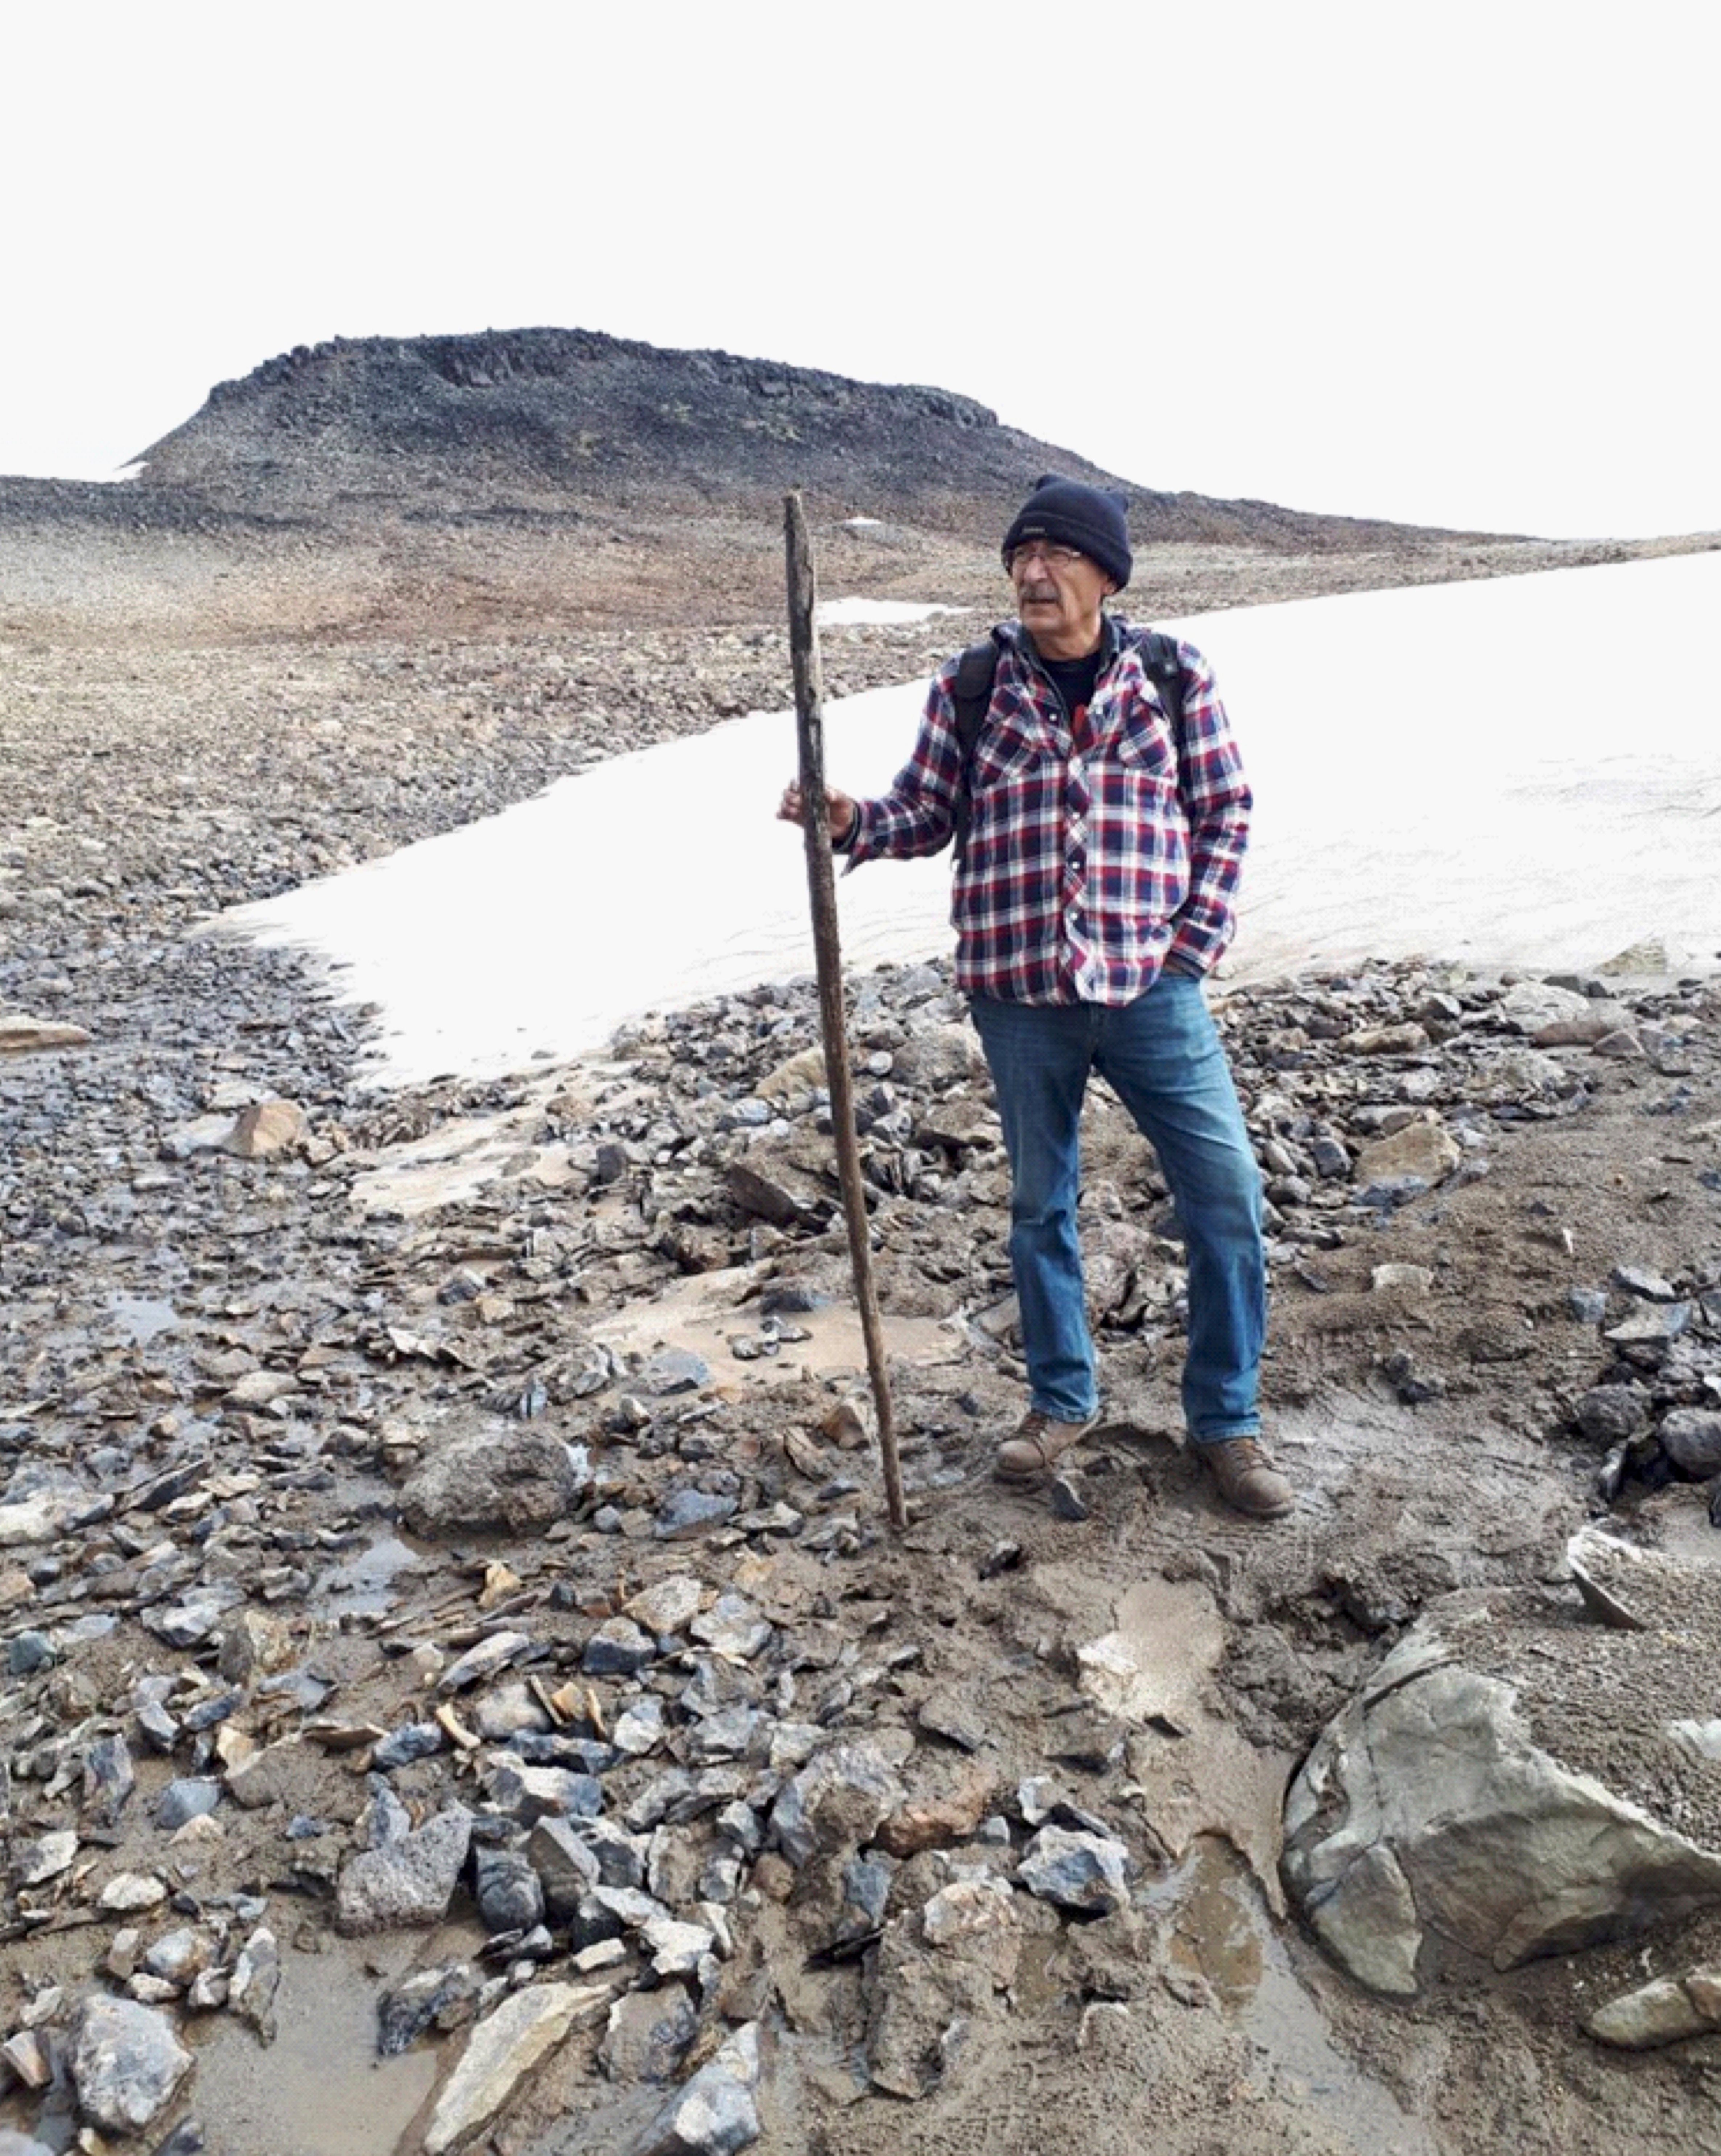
1086	871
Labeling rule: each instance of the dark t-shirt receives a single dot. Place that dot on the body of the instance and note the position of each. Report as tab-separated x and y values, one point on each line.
1073	680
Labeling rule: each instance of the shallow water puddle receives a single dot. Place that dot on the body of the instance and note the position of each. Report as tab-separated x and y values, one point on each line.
140	1317
319	2089
1220	1935
1193	1775
704	1313
362	1584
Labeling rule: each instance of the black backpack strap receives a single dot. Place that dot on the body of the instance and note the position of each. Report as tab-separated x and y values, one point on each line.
1164	670
971	693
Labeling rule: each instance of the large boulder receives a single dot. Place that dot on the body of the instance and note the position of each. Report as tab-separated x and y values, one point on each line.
1507	1782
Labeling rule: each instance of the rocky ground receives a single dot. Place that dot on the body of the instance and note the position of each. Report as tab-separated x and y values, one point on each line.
457	1621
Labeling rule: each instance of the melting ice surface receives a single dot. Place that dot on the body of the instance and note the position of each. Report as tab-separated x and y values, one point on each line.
1522	770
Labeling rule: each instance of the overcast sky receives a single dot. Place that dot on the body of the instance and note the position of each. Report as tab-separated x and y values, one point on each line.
1442	264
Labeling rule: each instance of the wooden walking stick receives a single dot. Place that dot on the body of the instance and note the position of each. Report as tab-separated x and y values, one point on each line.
822	885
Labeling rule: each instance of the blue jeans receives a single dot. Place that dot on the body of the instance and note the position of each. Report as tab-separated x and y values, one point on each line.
1162	1057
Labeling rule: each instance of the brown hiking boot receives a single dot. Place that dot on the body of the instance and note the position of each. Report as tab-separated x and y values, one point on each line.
1037	1446
1246	1478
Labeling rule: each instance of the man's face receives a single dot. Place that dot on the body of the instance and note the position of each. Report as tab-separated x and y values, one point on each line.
1058	595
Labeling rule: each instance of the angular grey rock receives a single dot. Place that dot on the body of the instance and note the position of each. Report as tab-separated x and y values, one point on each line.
189	1623
1690	1438
531	1794
412	1741
185	1799
617	1649
715	2113
1552	1017
1424	1805
641	1728
180	1955
1610	1413
688	1512
442	1999
783	1202
109	1777
484	1661
1639	1280
45	1858
837	1803
1086	1873
408	1881
126	2061
1651	1326
566	1864
938	1055
648	2035
621	1856
28	1652
510	1896
26	1521
674	1370
668	1605
256	1980
509	1710
512	1478
733	1626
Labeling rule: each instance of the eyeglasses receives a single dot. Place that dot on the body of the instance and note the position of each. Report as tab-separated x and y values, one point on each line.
1040	550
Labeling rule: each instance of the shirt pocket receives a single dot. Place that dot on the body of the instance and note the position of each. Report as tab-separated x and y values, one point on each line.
1004	755
1144	743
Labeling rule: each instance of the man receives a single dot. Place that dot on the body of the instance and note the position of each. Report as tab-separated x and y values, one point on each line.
1094	894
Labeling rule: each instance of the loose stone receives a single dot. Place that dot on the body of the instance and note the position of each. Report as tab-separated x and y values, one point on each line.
126	2061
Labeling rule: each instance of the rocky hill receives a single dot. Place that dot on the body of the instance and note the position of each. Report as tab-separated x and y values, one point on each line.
550	479
549	418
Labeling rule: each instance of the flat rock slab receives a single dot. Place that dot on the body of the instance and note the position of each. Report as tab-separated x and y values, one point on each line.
501	2051
20	1034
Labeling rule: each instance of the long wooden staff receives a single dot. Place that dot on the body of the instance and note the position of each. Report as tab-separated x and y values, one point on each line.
822	884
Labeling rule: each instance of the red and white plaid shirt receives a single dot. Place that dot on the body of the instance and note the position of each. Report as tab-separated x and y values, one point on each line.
1087	868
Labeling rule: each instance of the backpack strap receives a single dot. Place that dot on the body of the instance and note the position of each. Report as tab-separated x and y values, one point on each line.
972	695
1164	670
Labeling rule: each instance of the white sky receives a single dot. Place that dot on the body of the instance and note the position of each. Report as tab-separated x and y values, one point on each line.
1444	264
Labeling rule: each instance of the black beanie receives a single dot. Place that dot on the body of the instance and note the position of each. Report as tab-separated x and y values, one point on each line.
1073	514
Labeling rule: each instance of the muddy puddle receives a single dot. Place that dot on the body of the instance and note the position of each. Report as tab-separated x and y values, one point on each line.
1220	1938
319	2089
362	1583
706	1313
141	1318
